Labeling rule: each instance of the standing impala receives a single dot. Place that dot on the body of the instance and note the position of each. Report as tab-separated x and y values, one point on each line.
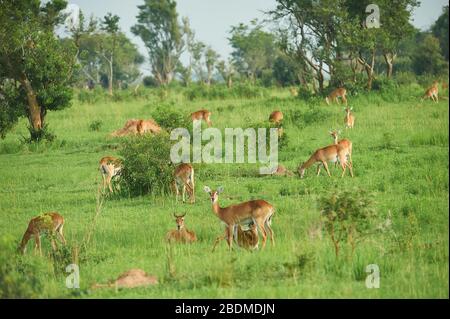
258	211
109	167
335	94
184	178
349	119
330	153
202	115
432	92
346	144
181	234
49	223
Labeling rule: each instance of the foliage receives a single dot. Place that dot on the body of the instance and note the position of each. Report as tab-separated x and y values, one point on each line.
440	31
170	119
428	58
95	126
147	168
347	215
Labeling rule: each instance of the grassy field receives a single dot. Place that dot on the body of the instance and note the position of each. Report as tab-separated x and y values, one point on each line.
400	154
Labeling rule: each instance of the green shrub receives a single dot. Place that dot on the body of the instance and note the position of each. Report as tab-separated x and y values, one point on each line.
147	168
311	116
170	119
384	84
347	215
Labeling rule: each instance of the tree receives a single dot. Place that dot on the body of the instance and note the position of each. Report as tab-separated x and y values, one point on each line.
110	25
440	31
226	70
428	58
211	58
35	67
161	33
254	49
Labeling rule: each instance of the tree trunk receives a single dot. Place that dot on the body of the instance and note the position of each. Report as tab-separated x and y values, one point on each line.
111	75
389	58
34	110
230	82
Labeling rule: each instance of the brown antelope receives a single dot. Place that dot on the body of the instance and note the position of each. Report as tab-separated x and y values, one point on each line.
330	153
276	117
181	234
148	126
349	119
184	178
49	223
346	144
109	167
244	235
130	127
259	212
336	94
202	115
282	171
432	92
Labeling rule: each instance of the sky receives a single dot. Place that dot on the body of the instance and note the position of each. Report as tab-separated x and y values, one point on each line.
212	19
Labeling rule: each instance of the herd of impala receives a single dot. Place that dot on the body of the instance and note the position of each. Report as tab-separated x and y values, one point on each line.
243	221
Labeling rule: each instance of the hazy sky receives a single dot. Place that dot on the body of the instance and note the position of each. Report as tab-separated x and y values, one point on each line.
211	19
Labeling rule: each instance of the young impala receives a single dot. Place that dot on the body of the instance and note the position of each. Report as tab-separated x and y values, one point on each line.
244	235
276	117
148	126
282	171
346	144
432	92
184	178
259	212
349	119
330	153
202	115
181	234
337	93
49	223
109	167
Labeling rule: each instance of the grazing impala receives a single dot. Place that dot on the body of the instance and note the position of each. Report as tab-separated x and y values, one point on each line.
432	92
184	178
276	117
181	234
49	223
349	119
330	153
346	144
202	115
109	167
259	212
130	127
337	93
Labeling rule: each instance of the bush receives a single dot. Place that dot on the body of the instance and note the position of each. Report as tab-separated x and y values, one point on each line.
384	84
170	119
95	126
239	90
308	117
147	168
347	216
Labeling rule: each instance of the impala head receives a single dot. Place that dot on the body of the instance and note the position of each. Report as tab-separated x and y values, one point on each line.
213	195
348	110
334	133
179	220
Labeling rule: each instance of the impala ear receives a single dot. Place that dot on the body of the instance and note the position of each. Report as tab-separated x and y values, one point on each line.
207	189
219	189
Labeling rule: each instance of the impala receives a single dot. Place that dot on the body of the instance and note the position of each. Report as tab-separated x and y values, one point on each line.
346	144
259	212
202	115
276	117
109	167
49	223
282	171
184	178
330	153
181	234
130	127
244	235
349	119
148	126
335	95
432	92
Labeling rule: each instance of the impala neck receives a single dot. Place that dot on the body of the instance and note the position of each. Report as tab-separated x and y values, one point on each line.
335	138
216	208
309	162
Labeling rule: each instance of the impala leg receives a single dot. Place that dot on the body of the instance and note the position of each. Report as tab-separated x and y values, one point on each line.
261	226
61	235
108	180
326	168
183	192
230	237
218	239
177	191
270	231
37	240
318	169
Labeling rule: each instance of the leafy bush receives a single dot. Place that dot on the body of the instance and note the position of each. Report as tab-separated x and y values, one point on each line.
384	84
405	78
239	90
347	215
170	119
147	168
311	116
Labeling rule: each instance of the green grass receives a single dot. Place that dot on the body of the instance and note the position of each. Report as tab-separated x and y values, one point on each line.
400	153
